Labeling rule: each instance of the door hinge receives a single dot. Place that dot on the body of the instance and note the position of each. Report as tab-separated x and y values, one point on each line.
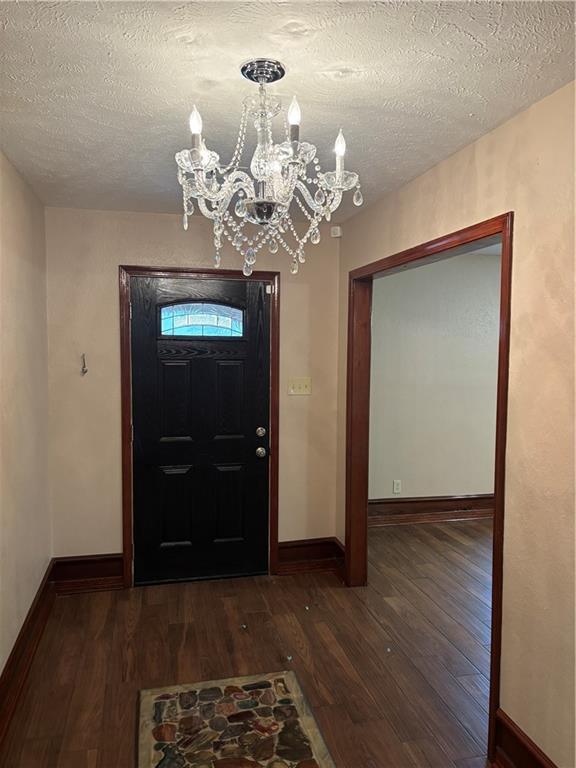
130	310
269	289
131	433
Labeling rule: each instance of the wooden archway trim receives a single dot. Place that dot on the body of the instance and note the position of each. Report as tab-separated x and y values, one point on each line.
358	413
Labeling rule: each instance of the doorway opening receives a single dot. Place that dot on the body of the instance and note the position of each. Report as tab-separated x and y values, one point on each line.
199	354
360	308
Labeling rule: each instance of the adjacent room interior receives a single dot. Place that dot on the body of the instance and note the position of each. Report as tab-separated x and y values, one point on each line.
435	336
287	384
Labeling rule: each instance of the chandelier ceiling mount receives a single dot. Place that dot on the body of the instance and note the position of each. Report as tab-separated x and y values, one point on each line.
263	70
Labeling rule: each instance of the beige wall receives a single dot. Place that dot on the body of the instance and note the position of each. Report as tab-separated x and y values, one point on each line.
25	530
526	165
84	249
434	368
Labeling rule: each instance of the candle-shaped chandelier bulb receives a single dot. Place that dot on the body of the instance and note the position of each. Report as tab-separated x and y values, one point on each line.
340	144
340	150
195	126
294	112
294	117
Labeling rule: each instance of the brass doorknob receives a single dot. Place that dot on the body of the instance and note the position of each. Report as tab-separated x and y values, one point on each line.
261	452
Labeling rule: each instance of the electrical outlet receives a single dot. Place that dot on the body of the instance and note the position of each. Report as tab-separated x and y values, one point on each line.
300	385
396	486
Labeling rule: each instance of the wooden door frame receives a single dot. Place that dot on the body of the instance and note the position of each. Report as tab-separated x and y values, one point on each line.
358	413
125	274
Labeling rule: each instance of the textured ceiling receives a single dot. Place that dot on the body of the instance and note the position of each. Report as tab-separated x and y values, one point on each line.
95	96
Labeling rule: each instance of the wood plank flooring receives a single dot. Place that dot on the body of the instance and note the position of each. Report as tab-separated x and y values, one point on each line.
396	673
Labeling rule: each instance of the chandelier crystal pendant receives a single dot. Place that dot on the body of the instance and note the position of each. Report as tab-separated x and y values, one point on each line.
252	207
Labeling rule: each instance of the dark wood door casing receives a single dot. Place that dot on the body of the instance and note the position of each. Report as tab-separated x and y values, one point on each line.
125	275
358	410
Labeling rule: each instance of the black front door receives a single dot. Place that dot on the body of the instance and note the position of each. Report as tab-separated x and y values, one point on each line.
200	399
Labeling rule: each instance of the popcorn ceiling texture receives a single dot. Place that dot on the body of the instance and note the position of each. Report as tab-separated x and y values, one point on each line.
95	96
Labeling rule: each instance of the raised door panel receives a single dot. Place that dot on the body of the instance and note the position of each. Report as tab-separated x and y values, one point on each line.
229	398
229	503
176	506
175	390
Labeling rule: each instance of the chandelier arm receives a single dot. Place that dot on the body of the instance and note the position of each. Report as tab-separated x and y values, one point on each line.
203	206
303	189
303	208
234	182
335	200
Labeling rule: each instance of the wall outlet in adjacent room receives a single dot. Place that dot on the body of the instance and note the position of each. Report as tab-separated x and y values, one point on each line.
300	385
396	486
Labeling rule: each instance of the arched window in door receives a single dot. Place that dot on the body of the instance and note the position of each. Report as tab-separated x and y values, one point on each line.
201	319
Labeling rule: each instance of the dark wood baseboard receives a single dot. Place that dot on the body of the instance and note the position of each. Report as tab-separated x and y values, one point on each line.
514	749
20	660
430	509
310	555
64	575
87	573
429	517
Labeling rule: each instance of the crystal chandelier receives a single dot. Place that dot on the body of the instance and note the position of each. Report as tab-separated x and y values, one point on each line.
252	207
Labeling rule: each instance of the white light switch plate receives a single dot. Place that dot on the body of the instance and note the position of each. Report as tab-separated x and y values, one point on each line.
300	385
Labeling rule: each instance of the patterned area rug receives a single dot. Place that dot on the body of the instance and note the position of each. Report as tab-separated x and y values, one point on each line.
244	722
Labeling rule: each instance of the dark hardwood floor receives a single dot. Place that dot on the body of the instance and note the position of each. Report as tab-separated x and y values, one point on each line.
397	672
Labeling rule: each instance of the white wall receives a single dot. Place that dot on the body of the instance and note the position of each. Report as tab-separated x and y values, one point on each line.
84	249
434	371
25	530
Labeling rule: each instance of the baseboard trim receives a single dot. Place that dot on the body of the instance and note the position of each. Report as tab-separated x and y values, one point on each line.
19	662
429	509
428	517
87	573
311	556
514	749
64	576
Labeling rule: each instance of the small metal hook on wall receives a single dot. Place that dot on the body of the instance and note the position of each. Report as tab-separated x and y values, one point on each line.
84	369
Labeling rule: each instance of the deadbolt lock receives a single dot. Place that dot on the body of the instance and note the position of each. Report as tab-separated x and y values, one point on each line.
260	431
261	452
